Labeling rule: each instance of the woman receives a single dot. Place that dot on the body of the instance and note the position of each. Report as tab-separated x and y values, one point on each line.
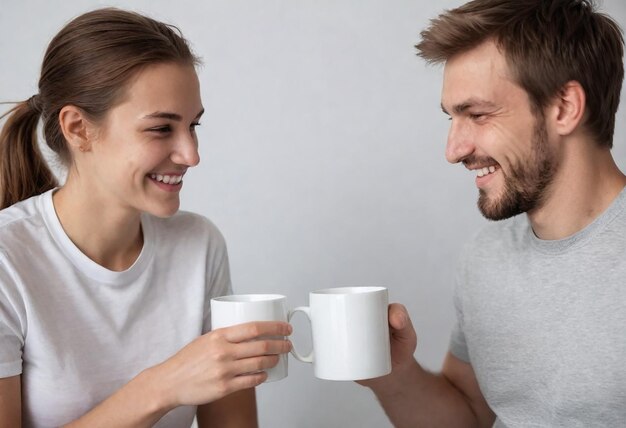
104	285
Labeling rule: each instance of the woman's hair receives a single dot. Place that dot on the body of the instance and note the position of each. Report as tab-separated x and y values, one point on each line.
546	43
88	64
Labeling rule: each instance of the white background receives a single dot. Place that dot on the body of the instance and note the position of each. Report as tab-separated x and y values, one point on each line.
323	162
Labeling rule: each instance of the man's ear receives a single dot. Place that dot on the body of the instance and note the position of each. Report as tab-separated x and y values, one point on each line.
568	108
75	128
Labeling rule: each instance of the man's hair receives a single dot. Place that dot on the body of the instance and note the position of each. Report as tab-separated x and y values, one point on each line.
546	43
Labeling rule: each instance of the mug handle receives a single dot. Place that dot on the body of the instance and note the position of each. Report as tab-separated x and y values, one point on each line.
306	358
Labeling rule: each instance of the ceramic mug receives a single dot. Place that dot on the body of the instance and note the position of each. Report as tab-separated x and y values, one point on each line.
350	333
242	308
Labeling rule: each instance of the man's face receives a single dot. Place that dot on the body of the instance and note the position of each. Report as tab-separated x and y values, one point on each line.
496	134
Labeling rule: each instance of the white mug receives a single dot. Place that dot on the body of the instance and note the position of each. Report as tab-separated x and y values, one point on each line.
350	333
242	308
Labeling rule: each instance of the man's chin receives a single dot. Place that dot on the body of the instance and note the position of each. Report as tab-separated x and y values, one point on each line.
499	209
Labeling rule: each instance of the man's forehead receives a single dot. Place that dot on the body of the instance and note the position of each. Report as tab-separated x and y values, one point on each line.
477	77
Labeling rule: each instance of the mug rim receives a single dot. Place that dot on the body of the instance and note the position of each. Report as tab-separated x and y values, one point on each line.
249	298
350	290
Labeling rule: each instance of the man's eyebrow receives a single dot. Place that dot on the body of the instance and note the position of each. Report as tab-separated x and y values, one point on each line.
168	115
461	107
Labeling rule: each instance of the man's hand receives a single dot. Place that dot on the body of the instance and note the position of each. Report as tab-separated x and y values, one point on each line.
403	344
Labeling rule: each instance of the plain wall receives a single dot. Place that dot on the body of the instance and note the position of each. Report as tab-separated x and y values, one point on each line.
323	162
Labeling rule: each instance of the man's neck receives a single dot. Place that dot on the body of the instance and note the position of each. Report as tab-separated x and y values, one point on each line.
587	182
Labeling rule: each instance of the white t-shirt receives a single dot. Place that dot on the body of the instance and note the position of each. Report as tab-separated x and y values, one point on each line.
76	331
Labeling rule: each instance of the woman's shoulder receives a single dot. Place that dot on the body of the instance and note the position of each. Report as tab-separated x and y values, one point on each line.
22	215
21	227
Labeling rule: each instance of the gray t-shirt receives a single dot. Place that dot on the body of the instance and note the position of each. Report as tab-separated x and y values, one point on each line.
543	323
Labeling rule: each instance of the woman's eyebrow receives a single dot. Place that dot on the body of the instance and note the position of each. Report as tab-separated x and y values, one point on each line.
168	115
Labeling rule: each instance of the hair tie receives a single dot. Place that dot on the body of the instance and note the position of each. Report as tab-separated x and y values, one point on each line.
34	103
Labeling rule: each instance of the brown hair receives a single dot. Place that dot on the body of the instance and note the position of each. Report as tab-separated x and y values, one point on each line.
87	64
546	43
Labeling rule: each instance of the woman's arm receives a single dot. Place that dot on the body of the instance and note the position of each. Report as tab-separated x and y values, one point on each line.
213	366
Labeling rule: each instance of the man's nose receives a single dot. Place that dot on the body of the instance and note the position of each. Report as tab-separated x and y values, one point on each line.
459	144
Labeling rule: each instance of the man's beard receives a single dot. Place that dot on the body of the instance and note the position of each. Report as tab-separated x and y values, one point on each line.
526	185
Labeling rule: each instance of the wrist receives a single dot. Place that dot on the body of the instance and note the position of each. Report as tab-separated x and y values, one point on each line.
395	383
153	386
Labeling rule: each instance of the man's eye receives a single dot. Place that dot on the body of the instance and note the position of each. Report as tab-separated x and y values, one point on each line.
475	116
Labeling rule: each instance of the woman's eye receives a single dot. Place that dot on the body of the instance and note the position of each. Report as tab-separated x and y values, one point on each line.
194	125
161	129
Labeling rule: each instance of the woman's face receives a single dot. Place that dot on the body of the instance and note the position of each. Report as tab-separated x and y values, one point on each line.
146	143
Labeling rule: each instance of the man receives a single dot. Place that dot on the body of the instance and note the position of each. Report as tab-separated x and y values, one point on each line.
532	88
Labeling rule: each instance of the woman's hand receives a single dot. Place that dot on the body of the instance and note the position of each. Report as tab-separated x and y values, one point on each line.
221	362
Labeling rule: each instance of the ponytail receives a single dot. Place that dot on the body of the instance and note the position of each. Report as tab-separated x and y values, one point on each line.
23	169
88	64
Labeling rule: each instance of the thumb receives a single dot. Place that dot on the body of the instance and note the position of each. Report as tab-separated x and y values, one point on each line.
398	317
400	325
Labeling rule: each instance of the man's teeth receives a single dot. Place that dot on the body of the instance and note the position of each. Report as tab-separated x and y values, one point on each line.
167	179
486	170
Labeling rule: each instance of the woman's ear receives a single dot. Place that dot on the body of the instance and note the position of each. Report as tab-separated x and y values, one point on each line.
75	128
568	108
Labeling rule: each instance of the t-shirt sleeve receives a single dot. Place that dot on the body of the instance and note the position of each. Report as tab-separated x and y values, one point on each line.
458	344
218	276
11	325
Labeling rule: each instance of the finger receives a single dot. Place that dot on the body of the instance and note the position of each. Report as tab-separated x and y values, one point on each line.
400	326
261	347
252	330
398	316
254	365
246	381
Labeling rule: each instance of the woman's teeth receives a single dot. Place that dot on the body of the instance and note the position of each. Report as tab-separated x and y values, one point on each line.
167	179
486	170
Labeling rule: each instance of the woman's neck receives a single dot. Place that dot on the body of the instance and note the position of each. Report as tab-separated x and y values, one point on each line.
110	236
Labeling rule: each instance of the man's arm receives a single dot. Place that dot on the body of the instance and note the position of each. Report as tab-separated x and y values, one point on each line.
237	410
10	402
413	397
